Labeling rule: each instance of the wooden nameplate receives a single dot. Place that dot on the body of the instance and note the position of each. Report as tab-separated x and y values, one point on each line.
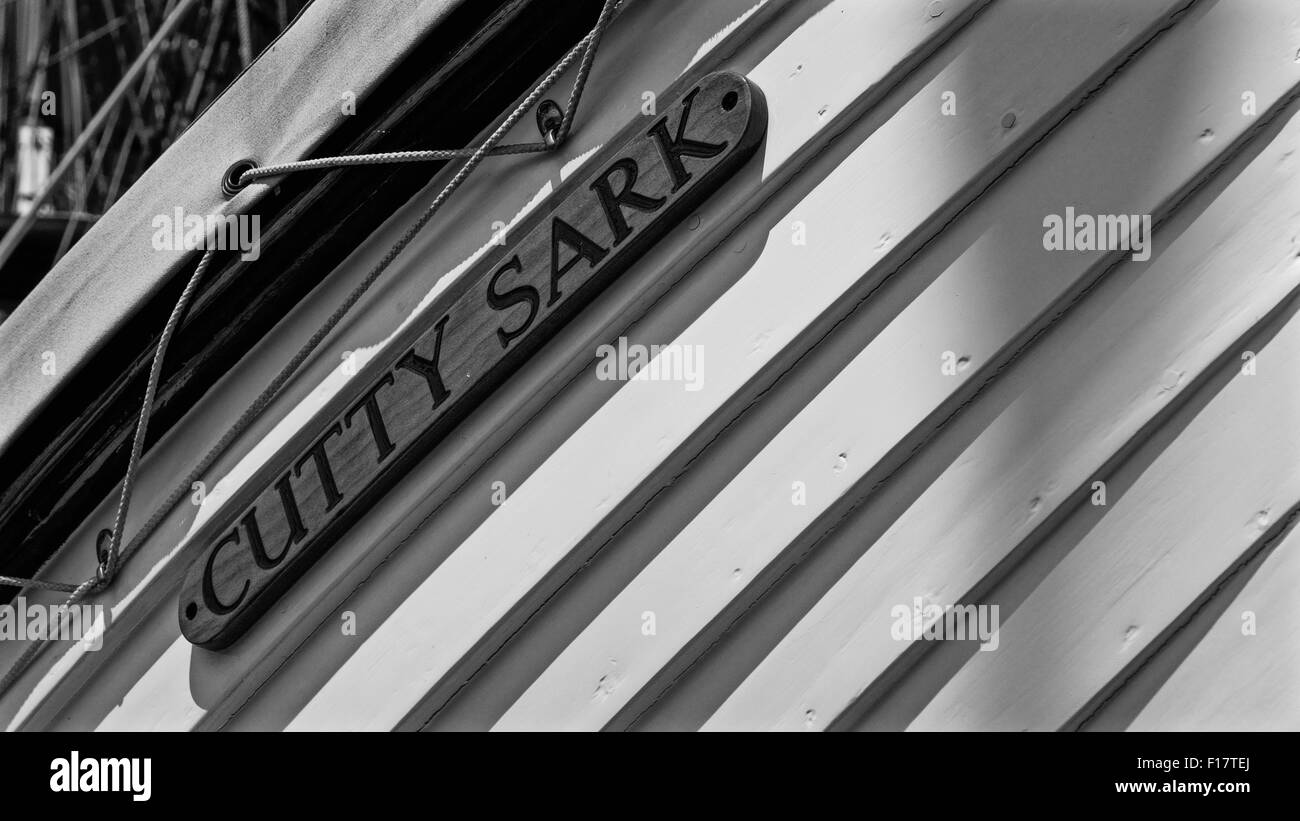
478	332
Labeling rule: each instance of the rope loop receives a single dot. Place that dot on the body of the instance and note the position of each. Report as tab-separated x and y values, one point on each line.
110	557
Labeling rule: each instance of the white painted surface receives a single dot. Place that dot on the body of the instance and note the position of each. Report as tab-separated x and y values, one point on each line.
1245	673
1178	315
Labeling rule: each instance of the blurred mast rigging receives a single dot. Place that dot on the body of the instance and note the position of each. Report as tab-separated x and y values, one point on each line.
91	92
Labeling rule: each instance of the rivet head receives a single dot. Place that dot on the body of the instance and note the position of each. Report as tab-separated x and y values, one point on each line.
935	8
1009	119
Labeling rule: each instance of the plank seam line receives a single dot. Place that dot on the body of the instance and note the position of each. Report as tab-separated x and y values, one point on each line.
898	669
1183	620
1277	532
1172	20
1207	174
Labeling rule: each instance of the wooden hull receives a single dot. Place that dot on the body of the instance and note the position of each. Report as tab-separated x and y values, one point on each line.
901	399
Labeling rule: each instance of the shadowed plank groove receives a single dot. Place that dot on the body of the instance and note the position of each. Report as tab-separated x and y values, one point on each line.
705	578
1095	383
575	500
1203	502
1237	680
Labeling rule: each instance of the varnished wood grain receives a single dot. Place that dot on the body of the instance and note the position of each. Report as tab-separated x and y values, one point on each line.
475	334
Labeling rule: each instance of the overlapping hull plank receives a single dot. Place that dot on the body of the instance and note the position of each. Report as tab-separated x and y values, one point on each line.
1162	545
1242	674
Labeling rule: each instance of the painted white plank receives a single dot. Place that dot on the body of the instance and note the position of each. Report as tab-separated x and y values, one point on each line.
1236	680
1098	163
826	67
1149	342
1195	510
485	587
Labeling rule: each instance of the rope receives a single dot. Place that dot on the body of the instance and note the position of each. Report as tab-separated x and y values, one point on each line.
109	564
584	52
261	172
585	48
13	581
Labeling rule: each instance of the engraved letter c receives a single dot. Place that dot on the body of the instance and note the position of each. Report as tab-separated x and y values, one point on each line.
215	604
